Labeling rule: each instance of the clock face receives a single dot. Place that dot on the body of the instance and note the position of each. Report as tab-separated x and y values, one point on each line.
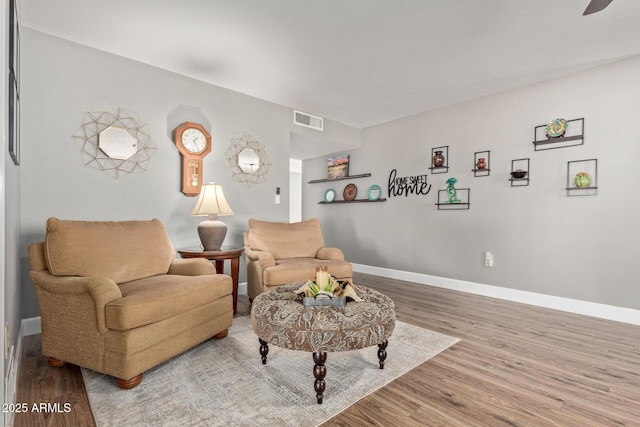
194	140
350	192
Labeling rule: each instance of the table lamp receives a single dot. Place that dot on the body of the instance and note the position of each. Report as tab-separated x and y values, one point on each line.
212	203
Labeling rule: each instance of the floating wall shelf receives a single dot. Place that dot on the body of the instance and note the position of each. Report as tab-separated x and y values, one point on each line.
445	166
464	194
482	171
362	175
352	201
523	164
574	135
590	167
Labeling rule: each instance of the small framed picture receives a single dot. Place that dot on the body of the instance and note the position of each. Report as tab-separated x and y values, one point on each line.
338	167
14	84
14	120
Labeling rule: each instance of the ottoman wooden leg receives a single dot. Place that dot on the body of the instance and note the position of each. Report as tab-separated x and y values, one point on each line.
264	350
319	371
382	352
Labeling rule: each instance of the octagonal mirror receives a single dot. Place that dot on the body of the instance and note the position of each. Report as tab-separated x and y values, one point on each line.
117	143
248	161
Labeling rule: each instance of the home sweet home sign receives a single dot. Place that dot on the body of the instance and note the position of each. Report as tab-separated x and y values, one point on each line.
398	186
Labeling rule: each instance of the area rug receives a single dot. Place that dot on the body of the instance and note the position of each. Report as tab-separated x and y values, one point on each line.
223	382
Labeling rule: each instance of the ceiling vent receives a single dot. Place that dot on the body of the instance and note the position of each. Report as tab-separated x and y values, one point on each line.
307	120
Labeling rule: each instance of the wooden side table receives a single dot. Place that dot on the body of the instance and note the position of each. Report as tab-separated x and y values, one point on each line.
218	257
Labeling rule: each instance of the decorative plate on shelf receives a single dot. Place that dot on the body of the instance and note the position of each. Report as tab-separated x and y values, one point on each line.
556	128
374	192
350	192
329	195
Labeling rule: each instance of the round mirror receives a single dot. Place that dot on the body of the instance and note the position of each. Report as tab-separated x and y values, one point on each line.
248	161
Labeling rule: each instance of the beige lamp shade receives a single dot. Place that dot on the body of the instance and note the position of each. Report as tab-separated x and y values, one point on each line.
212	203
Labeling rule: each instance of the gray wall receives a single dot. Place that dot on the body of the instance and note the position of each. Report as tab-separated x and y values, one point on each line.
584	248
63	80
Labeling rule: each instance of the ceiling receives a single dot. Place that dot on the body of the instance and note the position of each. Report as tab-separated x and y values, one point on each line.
358	62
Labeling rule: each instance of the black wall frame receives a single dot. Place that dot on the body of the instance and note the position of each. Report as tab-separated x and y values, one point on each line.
14	83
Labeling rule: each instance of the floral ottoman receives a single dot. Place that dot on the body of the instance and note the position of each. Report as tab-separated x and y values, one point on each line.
279	318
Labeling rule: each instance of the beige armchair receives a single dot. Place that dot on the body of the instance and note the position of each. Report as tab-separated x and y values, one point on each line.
114	299
282	253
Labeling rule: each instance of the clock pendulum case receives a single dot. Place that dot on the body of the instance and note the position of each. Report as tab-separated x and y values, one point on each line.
193	142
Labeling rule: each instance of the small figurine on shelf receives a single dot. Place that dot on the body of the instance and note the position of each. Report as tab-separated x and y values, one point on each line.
451	191
582	179
481	164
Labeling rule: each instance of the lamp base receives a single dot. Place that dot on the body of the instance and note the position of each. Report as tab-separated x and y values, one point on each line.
212	233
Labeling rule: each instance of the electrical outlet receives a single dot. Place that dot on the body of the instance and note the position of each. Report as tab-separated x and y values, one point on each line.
6	340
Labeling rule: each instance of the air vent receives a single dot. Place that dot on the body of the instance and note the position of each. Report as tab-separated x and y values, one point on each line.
307	120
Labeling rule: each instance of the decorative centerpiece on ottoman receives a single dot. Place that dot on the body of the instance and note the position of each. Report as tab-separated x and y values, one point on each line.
326	290
278	317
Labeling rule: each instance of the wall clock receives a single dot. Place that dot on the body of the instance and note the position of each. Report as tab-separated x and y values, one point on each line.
350	192
193	142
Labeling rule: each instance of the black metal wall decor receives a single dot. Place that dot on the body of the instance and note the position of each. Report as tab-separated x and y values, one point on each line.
417	184
14	84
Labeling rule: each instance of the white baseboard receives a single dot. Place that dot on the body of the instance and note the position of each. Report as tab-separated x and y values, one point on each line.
603	311
242	288
30	326
10	382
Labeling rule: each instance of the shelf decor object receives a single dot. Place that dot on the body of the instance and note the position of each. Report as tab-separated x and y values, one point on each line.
582	177
481	163
520	172
374	192
439	159
329	195
556	128
338	167
559	133
247	160
349	194
350	191
456	198
114	142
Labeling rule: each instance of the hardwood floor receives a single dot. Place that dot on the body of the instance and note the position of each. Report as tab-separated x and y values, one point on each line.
516	365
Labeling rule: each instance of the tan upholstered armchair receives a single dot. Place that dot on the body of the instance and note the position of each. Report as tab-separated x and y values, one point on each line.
114	299
282	253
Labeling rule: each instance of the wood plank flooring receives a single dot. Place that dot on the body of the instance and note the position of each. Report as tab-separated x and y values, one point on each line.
517	365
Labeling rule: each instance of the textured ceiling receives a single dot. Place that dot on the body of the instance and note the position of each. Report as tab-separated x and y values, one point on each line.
359	62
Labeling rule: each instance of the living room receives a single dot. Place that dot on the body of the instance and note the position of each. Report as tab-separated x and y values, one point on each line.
548	247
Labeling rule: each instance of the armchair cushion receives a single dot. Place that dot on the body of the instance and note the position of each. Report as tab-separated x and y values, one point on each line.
297	240
161	297
121	251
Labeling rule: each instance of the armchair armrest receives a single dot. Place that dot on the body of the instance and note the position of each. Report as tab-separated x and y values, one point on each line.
264	258
191	267
330	253
101	289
